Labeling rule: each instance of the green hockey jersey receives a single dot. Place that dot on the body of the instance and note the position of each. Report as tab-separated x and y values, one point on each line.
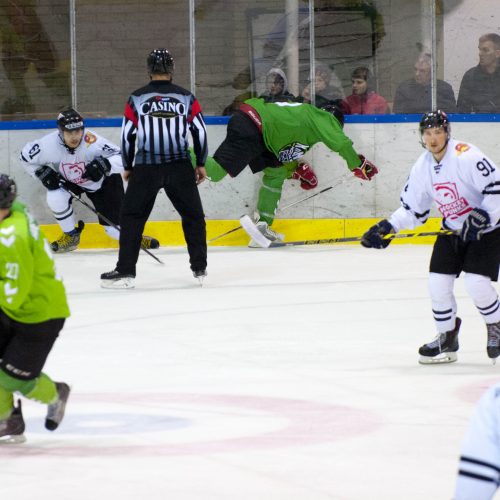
290	129
30	290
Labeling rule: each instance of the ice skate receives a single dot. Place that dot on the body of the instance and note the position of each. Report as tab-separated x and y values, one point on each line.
268	233
117	280
55	411
68	241
443	349
200	275
493	345
149	243
12	428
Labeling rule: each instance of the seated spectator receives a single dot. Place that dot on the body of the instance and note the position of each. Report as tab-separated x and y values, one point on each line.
414	95
363	100
328	87
276	91
277	87
480	88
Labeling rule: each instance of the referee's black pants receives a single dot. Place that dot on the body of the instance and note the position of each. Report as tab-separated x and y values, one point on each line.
178	180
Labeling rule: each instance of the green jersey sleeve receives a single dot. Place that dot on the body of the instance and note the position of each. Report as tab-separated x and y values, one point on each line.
30	291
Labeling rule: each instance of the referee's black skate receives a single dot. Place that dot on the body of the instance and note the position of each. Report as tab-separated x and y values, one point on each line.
12	428
493	345
200	275
116	279
443	349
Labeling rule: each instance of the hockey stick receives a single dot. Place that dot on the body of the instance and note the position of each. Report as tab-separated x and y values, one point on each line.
326	241
259	238
105	219
324	190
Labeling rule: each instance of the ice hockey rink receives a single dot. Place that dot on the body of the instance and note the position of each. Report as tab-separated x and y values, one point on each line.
292	374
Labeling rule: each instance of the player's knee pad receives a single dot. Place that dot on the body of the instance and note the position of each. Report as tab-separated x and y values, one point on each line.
13	384
112	232
59	201
480	289
441	287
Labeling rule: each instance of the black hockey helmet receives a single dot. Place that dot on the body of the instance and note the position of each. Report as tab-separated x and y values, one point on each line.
435	119
160	61
334	108
69	120
8	191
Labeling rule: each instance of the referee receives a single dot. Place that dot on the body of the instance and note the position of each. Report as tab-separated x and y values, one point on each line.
155	155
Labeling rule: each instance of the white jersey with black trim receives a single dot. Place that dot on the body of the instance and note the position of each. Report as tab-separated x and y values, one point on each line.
479	467
71	164
464	179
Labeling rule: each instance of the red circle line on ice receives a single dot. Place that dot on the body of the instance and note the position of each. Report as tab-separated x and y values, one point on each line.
305	423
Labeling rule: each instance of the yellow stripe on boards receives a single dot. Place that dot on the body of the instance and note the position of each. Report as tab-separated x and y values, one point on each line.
169	233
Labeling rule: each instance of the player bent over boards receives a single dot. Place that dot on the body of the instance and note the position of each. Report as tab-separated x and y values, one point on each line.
465	186
33	309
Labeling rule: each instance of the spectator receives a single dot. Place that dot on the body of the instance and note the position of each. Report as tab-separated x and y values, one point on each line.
328	87
414	95
363	100
277	87
480	88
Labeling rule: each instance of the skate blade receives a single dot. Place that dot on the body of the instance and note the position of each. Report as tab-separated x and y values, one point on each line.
444	357
120	284
12	439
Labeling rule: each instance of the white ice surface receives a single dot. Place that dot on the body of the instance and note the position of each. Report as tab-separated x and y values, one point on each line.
291	375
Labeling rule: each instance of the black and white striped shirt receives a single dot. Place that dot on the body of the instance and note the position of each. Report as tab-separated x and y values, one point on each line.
155	124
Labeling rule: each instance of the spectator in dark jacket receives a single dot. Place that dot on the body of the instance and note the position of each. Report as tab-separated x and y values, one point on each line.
414	95
480	88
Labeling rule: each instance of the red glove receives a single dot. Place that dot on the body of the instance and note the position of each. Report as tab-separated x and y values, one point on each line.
305	173
366	170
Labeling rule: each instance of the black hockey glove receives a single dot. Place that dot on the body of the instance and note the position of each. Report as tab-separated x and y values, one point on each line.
477	221
49	178
374	237
97	169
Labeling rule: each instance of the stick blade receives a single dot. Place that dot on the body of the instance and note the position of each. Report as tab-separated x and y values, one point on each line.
251	229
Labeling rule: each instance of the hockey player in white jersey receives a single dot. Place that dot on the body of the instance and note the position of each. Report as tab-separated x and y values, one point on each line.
479	468
81	161
464	184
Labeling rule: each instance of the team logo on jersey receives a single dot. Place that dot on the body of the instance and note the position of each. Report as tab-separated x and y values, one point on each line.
462	148
291	152
73	172
163	107
451	205
89	138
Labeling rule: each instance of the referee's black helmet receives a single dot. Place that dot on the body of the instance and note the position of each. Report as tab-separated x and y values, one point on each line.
160	61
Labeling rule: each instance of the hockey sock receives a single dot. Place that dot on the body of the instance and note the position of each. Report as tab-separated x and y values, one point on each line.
270	192
44	390
484	296
444	306
215	172
6	403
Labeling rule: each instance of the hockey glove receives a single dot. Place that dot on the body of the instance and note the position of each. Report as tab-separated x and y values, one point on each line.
49	177
97	169
306	175
366	170
477	221
374	237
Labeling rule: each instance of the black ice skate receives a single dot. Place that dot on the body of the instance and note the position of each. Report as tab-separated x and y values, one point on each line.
55	411
443	349
115	279
200	275
12	428
493	345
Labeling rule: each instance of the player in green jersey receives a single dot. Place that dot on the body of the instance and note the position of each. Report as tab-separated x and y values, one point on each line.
33	309
276	134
